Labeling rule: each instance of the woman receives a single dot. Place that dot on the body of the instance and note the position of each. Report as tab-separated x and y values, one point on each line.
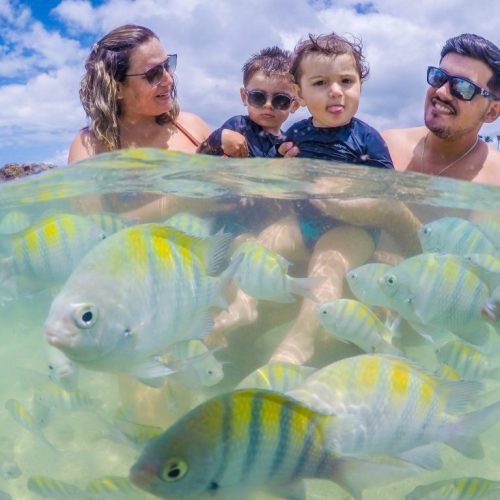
129	94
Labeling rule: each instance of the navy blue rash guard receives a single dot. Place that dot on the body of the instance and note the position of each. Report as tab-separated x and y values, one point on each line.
261	144
355	142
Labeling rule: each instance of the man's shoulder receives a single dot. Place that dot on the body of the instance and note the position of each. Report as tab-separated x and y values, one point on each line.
412	134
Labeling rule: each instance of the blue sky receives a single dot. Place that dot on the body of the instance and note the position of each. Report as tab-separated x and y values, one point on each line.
44	43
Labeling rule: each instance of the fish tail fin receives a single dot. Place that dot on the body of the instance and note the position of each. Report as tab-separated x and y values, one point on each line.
384	347
303	286
222	281
6	268
471	424
217	250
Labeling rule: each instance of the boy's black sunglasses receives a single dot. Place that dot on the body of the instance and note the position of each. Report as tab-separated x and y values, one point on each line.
258	99
460	87
155	74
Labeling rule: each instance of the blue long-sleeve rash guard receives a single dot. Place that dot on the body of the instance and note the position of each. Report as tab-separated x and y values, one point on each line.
355	142
261	144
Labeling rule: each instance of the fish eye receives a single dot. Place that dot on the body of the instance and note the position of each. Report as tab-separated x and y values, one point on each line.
174	470
390	279
85	316
427	230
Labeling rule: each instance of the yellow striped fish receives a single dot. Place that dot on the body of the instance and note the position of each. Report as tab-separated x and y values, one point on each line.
469	363
134	295
454	235
491	307
46	252
195	363
110	488
250	440
363	282
463	488
109	223
191	224
13	222
386	404
277	376
47	487
442	291
58	398
26	419
133	433
352	321
263	275
486	261
491	229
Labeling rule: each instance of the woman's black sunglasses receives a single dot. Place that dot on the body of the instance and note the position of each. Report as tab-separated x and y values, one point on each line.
155	74
460	87
258	99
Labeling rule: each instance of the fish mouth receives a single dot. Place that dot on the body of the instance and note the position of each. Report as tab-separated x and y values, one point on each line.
141	477
489	313
54	339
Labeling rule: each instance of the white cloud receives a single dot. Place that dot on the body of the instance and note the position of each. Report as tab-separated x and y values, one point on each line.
39	101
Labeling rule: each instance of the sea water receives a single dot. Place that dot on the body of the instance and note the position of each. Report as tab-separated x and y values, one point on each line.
84	448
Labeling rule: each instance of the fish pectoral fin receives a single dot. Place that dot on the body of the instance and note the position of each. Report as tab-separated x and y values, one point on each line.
293	491
469	446
151	372
355	475
427	457
431	333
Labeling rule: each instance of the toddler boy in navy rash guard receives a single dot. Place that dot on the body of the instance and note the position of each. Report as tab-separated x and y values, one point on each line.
270	95
329	71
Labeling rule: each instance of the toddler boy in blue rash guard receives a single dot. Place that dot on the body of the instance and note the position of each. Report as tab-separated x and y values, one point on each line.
329	71
270	95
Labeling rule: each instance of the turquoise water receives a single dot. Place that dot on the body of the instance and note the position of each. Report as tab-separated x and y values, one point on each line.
84	449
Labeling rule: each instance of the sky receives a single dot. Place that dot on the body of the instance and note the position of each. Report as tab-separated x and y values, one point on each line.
44	44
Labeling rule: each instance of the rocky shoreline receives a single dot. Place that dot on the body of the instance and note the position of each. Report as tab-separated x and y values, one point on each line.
12	171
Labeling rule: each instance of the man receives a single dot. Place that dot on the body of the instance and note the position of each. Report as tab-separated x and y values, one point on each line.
464	93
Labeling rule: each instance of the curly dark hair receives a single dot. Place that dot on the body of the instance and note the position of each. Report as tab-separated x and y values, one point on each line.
330	45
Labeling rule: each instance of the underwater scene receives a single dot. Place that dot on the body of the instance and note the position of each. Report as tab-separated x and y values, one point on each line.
185	326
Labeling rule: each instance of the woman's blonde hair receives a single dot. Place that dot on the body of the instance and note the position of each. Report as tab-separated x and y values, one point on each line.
106	66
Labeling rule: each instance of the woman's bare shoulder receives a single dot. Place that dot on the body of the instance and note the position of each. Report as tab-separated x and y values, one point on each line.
194	124
83	146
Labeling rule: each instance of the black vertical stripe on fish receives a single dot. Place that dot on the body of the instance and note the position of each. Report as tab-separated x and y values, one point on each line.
323	462
226	433
254	434
63	238
306	449
284	438
26	257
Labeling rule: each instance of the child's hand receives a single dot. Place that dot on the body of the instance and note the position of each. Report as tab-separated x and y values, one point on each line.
288	150
234	144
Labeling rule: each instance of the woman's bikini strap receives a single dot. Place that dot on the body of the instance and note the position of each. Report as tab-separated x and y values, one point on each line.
191	137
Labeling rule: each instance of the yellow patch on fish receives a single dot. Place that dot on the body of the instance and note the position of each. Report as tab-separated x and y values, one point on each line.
369	370
400	379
